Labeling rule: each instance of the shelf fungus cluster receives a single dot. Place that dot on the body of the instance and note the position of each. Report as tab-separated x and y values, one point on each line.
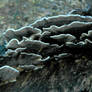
46	42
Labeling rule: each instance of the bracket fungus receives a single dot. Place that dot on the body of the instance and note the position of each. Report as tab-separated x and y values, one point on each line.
8	74
18	34
47	42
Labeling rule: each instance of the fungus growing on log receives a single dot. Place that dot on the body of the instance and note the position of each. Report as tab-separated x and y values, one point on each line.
54	44
18	34
8	74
